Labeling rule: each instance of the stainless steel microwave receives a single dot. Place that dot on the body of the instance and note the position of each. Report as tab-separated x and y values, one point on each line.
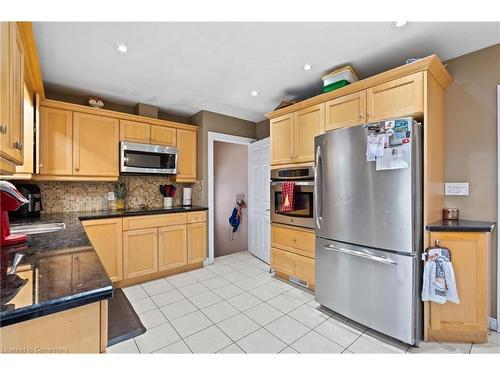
139	158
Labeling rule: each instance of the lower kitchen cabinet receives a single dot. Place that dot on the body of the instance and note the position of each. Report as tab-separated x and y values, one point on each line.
467	321
172	247
106	237
140	252
197	242
292	265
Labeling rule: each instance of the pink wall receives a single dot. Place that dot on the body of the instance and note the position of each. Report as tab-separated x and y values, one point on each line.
230	178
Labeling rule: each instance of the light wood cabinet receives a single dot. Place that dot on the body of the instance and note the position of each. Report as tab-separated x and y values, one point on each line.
297	266
348	110
186	162
295	240
140	252
309	123
95	145
12	93
56	141
134	131
172	247
467	321
150	221
163	135
197	242
400	97
106	238
282	139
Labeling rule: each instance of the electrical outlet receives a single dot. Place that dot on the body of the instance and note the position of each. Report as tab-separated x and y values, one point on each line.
456	188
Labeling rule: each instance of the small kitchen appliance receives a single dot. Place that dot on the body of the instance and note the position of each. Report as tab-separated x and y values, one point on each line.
186	196
10	200
139	158
34	206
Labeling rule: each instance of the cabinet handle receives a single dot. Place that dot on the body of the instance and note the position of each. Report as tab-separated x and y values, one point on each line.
18	146
77	169
3	129
361	115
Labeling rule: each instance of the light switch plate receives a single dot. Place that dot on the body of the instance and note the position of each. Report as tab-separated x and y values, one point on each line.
456	188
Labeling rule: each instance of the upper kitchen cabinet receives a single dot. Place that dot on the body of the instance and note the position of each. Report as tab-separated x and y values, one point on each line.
348	110
134	131
56	141
11	93
397	98
163	135
186	163
282	139
95	145
309	123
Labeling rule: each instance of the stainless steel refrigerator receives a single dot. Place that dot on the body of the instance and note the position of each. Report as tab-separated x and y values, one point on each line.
369	227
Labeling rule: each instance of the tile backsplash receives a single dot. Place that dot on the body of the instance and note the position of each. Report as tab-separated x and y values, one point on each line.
90	196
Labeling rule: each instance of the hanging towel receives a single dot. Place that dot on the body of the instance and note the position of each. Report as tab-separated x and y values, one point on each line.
235	219
287	197
439	278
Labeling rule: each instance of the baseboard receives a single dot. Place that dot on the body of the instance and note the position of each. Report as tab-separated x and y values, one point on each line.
493	325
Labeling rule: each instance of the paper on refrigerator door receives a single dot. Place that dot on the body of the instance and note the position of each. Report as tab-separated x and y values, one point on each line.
375	146
394	158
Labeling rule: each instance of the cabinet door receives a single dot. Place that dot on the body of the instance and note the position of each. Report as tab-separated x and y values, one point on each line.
397	98
16	131
348	110
172	247
134	131
197	242
95	145
186	163
282	139
467	321
56	141
140	252
309	122
5	146
106	238
163	135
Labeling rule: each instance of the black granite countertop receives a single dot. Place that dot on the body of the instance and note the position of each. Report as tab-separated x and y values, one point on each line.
137	212
461	225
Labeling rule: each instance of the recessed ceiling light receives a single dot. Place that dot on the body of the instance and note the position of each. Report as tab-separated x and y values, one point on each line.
400	23
254	93
307	67
122	48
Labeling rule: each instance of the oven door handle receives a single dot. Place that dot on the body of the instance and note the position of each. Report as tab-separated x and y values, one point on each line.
318	187
297	183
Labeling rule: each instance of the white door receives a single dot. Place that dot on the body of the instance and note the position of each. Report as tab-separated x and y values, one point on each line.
259	200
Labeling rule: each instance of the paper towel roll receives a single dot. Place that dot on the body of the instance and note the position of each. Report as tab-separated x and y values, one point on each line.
186	196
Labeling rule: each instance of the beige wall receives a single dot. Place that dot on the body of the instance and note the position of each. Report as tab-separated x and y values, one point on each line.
471	138
230	179
262	129
215	122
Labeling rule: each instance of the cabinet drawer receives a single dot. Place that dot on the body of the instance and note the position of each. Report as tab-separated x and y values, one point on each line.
152	221
295	240
293	265
196	217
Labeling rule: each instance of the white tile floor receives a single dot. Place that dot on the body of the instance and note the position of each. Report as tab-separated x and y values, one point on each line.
237	306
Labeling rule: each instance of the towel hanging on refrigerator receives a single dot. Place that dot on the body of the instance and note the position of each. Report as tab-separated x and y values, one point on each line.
287	197
439	284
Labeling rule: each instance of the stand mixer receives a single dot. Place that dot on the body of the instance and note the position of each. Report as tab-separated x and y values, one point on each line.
10	200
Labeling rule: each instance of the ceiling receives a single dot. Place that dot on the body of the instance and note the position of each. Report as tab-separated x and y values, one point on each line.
187	67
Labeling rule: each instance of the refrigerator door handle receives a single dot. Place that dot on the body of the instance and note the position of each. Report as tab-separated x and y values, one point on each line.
361	254
318	187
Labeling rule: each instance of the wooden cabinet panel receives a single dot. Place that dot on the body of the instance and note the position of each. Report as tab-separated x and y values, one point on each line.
106	238
153	221
467	321
163	135
294	265
197	242
172	247
400	97
134	131
95	145
186	163
348	110
5	146
140	252
196	217
282	139
56	141
298	241
309	122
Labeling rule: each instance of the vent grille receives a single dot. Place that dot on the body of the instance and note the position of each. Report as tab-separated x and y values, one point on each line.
298	281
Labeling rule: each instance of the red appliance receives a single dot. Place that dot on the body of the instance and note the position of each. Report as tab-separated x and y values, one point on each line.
10	200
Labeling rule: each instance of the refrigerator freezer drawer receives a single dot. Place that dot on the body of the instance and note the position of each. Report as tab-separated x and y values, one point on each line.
374	288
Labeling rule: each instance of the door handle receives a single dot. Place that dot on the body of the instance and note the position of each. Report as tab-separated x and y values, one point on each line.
318	187
360	254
